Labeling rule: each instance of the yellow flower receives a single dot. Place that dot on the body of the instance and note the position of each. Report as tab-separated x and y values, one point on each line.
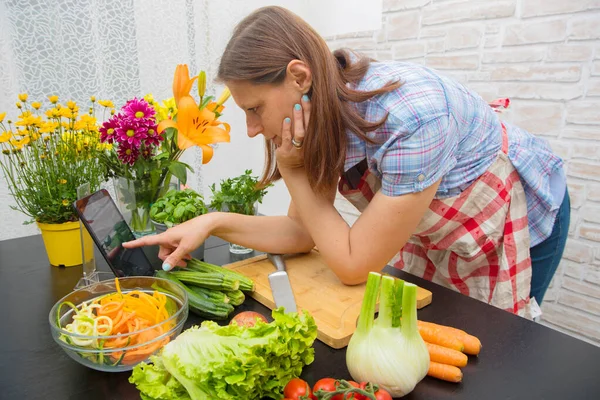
93	99
65	202
36	105
19	105
27	119
2	115
5	136
182	84
34	135
224	96
23	97
68	113
53	99
112	112
72	105
104	146
106	103
86	122
49	127
53	113
149	98
61	181
18	144
196	128
43	156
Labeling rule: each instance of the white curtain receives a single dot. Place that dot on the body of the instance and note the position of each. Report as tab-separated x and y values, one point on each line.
111	49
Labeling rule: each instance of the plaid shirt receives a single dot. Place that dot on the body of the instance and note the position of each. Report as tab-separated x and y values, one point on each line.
438	129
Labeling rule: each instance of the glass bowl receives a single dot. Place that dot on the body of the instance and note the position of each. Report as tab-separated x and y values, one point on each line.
126	349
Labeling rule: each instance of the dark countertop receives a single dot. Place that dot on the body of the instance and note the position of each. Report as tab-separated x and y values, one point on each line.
519	360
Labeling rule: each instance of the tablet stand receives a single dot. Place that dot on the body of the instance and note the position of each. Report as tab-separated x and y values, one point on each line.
90	275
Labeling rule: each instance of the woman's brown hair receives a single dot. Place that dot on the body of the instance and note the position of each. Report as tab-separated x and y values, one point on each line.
260	50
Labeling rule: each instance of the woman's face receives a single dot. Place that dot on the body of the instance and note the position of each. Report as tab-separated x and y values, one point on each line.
266	106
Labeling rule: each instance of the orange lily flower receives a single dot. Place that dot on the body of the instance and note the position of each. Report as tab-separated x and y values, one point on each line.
182	84
196	128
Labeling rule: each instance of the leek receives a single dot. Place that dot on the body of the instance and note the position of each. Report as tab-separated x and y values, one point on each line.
388	350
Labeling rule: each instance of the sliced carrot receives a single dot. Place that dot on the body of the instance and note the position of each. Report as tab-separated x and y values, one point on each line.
472	345
110	309
445	355
116	342
122	322
435	335
444	372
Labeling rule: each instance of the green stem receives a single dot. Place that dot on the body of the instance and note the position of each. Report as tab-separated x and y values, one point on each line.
367	311
397	311
387	305
409	310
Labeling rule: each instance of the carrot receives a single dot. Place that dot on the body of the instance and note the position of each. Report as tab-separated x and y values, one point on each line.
444	372
110	309
445	355
435	335
122	322
472	345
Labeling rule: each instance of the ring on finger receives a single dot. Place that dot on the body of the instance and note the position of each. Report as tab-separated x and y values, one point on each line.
296	144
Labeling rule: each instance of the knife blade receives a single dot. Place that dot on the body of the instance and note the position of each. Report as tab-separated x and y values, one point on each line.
280	284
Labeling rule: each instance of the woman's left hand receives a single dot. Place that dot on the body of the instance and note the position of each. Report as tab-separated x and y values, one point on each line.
290	155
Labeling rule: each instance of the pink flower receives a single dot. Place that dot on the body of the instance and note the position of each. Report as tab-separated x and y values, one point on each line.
138	109
153	138
128	155
108	130
131	132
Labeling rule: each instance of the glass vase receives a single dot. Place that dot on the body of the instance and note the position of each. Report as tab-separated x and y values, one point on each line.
134	199
246	210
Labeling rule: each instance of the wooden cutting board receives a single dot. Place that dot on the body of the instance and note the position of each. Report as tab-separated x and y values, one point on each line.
334	306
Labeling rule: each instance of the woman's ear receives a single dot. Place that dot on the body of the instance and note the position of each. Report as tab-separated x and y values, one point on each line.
299	75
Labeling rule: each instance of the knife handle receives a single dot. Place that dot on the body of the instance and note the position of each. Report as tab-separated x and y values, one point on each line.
277	260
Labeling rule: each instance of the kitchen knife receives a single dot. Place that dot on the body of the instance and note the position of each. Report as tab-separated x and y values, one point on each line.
280	284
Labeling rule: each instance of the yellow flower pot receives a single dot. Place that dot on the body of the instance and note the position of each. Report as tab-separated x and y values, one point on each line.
63	243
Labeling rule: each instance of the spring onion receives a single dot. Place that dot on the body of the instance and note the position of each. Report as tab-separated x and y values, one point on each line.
388	350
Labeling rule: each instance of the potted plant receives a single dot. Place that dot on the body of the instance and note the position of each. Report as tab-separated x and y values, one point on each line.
177	207
47	153
149	139
241	195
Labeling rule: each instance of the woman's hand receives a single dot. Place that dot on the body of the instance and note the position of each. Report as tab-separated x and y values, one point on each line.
177	242
290	155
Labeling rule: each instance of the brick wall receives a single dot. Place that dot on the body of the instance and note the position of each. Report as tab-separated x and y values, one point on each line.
545	56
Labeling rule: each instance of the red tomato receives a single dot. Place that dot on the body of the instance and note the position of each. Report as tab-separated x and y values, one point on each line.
327	384
382	395
297	389
248	318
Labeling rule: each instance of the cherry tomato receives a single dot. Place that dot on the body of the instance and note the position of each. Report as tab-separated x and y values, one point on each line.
297	389
327	384
382	395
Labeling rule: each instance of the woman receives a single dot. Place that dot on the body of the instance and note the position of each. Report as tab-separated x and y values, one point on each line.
474	204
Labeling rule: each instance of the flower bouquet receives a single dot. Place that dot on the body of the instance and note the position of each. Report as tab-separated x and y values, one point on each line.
149	139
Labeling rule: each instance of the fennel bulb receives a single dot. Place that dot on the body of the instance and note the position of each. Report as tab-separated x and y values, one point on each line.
388	351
